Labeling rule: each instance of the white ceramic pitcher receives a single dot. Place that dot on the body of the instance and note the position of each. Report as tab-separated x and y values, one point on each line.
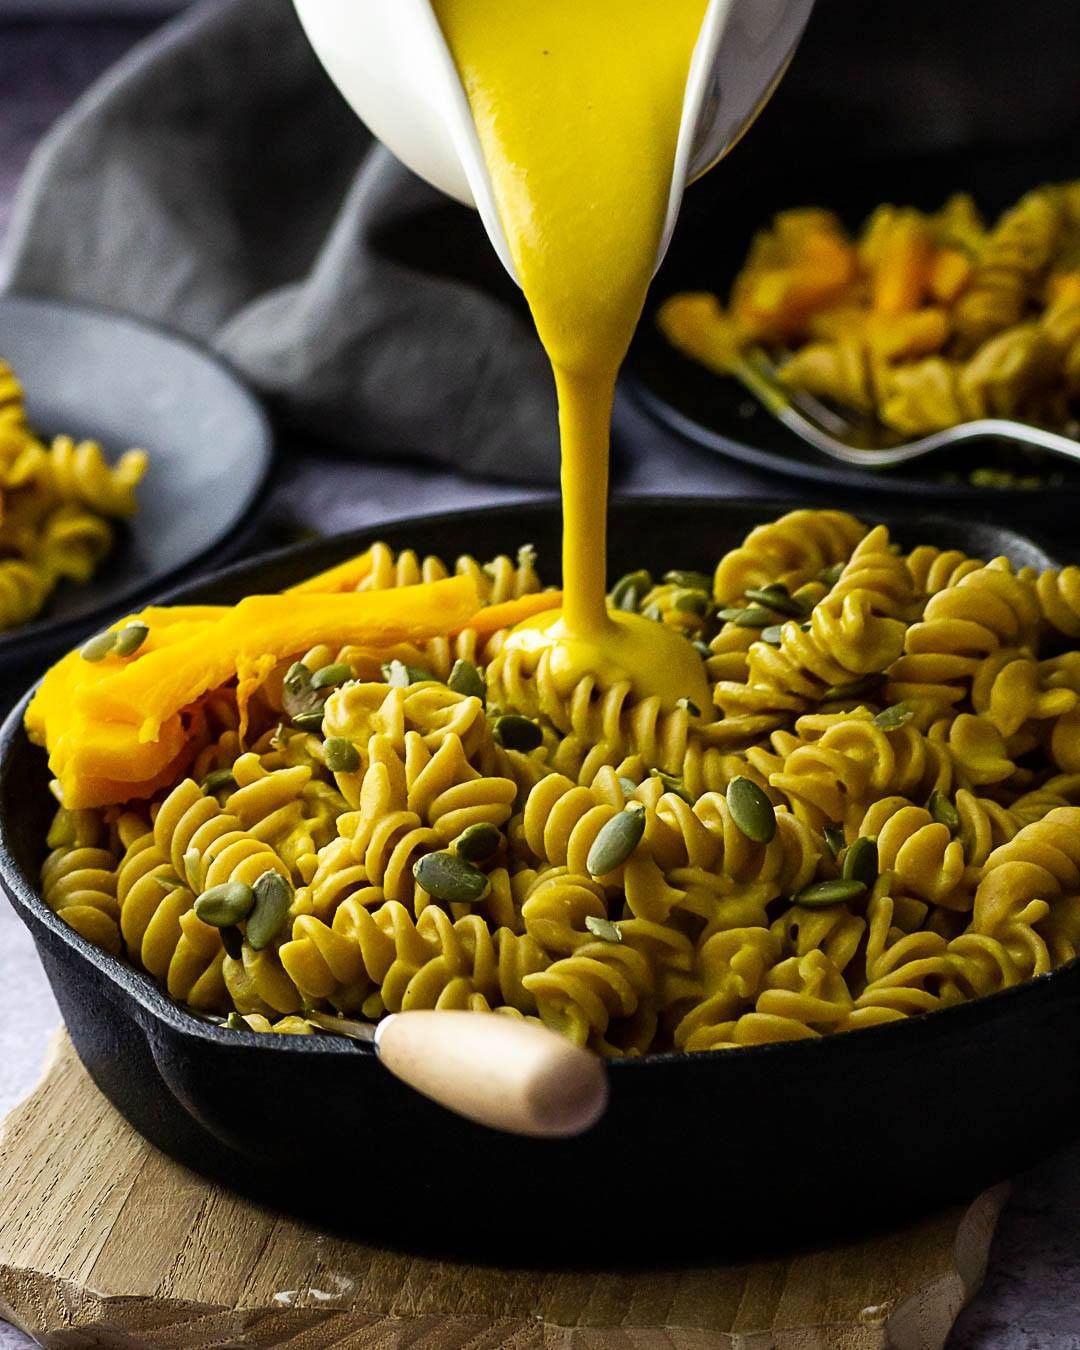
390	60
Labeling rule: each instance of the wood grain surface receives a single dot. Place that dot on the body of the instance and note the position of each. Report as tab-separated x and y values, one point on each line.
105	1242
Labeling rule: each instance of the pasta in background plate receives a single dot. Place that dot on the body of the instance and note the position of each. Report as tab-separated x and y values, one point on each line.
920	322
878	818
57	502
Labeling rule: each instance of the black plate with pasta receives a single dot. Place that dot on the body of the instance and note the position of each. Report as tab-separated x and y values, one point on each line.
92	377
721	216
766	1144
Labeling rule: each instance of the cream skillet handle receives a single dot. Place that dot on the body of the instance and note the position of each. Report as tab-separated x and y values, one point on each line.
512	1075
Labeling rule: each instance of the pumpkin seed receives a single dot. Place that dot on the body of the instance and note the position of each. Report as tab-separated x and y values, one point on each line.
515	732
273	897
894	717
466	680
689	706
806	598
774	635
340	755
825	893
691	602
777	599
308	721
653	613
98	648
218	779
604	929
478	842
702	648
856	689
399	676
616	841
130	638
235	1022
628	591
831	575
225	905
750	616
299	699
451	879
628	786
193	869
232	939
835	839
751	810
169	881
861	861
943	810
672	784
688	580
328	677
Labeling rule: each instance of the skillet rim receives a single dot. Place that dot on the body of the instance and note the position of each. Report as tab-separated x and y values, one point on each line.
155	1003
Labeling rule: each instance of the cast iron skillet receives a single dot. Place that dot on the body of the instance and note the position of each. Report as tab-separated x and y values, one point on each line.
726	1151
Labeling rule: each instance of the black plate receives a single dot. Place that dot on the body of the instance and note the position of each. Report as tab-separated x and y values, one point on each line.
729	1150
720	216
102	376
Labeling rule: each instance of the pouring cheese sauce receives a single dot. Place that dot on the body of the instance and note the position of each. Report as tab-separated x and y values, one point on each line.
577	104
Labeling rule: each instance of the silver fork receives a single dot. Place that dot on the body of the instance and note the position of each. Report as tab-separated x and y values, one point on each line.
831	434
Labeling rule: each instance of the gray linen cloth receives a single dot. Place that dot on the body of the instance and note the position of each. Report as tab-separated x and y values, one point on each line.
215	182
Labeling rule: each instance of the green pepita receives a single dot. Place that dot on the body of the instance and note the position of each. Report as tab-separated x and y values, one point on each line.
806	597
218	779
751	810
689	580
478	842
451	879
702	648
628	786
329	677
653	613
98	648
603	929
515	732
774	635
130	638
273	898
672	784
169	881
842	693
943	810
688	705
629	591
835	839
861	861
750	616
226	905
340	755
691	602
308	721
466	680
777	599
616	841
829	576
894	717
825	893
400	676
235	1022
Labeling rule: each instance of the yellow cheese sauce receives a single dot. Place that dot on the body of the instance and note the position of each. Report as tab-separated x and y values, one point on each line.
577	104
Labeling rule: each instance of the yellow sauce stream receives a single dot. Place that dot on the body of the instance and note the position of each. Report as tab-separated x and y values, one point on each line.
577	104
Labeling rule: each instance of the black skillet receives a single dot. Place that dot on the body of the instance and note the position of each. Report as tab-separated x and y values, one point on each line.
728	1151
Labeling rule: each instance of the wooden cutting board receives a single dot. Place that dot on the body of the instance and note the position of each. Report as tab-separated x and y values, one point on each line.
105	1242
